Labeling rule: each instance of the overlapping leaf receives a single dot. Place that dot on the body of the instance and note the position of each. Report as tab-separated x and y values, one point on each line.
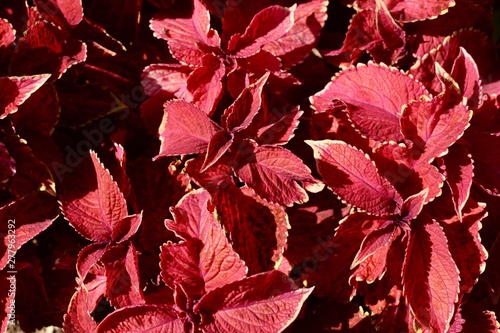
101	215
266	302
430	277
354	177
374	97
204	260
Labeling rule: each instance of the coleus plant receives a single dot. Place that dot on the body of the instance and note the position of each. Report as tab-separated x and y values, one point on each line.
168	170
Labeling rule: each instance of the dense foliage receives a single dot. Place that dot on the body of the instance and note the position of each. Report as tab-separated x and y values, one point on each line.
250	166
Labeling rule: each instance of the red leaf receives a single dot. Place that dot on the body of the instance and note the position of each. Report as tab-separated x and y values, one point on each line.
409	11
275	174
185	129
375	31
465	246
412	206
88	257
142	319
466	75
430	277
181	264
7	33
258	229
308	20
205	83
375	108
122	276
24	219
55	53
486	165
101	214
16	90
217	147
457	166
40	113
208	261
353	176
329	273
267	26
171	78
407	175
433	126
185	34
375	241
62	12
149	180
266	302
281	131
244	109
78	318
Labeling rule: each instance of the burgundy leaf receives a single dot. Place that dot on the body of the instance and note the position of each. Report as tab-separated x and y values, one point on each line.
329	273
62	12
100	213
465	245
208	258
466	75
184	34
142	319
16	90
217	147
430	277
375	241
126	228
373	267
7	33
122	276
171	78
353	176
205	83
258	229
275	174
55	53
479	320
24	219
432	127
308	20
486	164
412	206
244	109
408	176
281	131
32	175
149	180
267	26
40	113
181	265
374	31
457	166
185	129
409	11
376	112
88	257
78	318
266	302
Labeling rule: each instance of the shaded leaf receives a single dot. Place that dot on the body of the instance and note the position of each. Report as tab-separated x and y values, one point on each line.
430	277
